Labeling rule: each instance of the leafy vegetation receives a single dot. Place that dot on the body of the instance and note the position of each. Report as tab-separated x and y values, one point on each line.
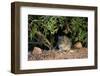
44	29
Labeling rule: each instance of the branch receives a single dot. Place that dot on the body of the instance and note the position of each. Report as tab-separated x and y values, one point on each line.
43	39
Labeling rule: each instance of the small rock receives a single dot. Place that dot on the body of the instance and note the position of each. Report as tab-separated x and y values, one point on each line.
37	51
78	45
72	51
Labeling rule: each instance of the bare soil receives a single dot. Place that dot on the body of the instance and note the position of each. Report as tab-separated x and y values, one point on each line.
54	54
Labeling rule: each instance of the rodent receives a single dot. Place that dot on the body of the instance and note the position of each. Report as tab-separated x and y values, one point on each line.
64	43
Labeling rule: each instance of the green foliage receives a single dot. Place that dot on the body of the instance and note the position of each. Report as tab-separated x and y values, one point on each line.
79	30
75	27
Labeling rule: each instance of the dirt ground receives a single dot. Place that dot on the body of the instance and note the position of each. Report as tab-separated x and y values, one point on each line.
54	54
